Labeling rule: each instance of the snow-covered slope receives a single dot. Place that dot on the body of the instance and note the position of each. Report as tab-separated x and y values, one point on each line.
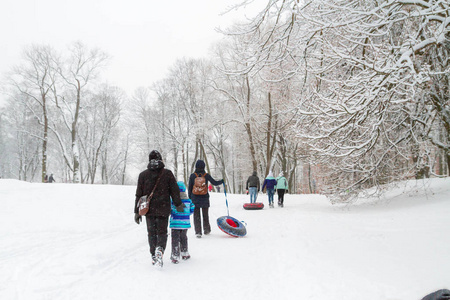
65	241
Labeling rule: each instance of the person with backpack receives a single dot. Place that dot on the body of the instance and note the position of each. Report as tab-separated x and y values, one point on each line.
269	184
180	223
253	186
162	185
281	188
198	193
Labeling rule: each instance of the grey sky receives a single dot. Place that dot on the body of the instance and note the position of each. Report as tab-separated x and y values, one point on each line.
144	37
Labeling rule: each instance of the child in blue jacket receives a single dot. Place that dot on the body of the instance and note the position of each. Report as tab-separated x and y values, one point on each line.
179	223
269	184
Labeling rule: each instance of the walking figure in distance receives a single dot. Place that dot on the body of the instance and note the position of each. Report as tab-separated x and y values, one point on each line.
51	179
281	188
269	184
253	187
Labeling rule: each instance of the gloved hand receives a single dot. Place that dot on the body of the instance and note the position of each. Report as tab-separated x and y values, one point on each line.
137	218
180	208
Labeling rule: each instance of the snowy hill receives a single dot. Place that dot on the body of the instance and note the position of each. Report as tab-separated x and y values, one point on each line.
64	241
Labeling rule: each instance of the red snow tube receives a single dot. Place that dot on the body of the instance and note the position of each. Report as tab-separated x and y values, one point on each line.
253	206
231	226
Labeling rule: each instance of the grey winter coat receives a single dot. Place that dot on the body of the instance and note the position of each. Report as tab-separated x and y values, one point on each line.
253	181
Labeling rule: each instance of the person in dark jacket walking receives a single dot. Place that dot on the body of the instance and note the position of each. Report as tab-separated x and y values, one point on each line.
157	217
253	187
269	184
51	179
201	202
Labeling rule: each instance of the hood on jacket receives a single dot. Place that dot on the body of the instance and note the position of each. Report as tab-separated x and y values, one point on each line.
155	159
154	155
181	186
254	173
200	164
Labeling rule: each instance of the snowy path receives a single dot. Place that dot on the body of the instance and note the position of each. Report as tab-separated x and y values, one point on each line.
80	242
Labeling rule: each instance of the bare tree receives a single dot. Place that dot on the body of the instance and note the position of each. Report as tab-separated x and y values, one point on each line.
79	70
101	117
30	87
238	89
34	80
26	138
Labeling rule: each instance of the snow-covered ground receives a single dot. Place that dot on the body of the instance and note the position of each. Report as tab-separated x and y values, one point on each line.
65	241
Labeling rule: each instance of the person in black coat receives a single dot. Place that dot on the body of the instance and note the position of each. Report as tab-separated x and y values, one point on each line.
51	179
201	202
157	217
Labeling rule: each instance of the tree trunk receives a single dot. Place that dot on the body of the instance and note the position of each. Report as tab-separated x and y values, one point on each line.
124	170
309	179
195	156
45	139
270	141
249	129
75	150
447	156
183	155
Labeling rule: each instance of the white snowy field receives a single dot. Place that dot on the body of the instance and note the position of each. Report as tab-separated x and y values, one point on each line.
65	241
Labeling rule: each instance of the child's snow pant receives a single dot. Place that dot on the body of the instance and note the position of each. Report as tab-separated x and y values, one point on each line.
179	241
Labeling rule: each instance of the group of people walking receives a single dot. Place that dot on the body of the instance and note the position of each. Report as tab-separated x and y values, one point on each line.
172	204
172	199
270	184
49	179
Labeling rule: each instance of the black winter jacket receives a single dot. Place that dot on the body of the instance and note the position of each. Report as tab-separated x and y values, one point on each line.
201	200
167	188
253	181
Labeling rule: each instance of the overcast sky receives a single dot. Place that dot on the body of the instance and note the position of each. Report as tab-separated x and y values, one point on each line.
143	37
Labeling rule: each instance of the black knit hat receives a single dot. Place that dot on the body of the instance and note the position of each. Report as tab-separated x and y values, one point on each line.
154	155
